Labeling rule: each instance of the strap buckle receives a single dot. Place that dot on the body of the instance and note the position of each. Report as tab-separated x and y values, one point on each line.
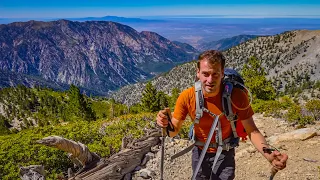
232	117
227	146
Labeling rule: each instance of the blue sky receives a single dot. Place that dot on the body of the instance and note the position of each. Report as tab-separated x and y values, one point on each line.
136	8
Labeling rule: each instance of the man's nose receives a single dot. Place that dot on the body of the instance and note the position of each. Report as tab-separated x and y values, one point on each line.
210	79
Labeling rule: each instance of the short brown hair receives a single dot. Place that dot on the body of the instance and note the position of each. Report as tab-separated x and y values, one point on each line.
212	56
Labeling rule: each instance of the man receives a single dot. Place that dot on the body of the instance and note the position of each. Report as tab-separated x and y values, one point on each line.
210	71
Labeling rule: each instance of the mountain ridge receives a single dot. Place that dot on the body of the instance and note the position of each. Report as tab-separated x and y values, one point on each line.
103	55
275	52
226	43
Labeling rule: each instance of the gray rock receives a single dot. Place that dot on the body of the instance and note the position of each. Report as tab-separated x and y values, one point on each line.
146	173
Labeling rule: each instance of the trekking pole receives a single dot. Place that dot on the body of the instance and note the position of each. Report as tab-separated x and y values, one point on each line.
273	173
162	152
165	132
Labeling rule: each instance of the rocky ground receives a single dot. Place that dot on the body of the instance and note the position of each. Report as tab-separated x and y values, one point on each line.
303	163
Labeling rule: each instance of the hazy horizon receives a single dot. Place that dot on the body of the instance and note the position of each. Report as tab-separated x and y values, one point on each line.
138	8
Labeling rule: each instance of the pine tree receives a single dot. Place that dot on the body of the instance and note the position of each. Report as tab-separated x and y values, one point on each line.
4	126
163	100
149	98
255	79
78	105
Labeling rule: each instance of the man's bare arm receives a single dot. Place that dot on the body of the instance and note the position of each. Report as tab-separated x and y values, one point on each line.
277	159
254	134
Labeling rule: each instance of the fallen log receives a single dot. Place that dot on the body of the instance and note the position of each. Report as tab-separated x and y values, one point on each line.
113	168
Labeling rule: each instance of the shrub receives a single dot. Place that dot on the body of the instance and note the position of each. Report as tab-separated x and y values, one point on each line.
21	148
272	107
313	106
184	131
295	115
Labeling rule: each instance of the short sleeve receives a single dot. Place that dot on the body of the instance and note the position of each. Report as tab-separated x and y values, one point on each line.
241	104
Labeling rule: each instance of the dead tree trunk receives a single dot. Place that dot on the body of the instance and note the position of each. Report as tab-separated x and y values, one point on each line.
113	168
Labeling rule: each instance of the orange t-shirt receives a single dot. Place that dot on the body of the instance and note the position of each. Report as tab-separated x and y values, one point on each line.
186	104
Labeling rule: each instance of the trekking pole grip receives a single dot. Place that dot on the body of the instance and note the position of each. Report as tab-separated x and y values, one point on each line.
170	126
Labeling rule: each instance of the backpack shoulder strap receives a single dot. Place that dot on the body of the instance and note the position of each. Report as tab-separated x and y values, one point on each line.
227	106
199	101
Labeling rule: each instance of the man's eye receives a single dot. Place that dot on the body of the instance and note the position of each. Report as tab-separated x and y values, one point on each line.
205	74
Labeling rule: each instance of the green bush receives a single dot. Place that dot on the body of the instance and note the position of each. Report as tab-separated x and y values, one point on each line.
184	131
295	115
313	106
272	107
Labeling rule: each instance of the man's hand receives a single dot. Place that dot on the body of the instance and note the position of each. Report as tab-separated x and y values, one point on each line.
278	160
162	117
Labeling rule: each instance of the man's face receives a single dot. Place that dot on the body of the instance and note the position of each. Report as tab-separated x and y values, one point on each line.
210	76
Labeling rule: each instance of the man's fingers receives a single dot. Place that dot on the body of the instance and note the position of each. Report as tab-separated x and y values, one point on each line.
162	115
280	157
284	158
276	153
162	122
279	164
162	119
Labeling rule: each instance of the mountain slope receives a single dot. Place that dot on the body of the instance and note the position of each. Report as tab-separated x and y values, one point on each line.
99	55
289	58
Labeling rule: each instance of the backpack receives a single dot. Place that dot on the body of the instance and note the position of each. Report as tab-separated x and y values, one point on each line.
232	79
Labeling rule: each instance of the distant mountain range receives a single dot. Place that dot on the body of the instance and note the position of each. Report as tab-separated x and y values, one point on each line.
97	55
226	43
116	19
290	59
